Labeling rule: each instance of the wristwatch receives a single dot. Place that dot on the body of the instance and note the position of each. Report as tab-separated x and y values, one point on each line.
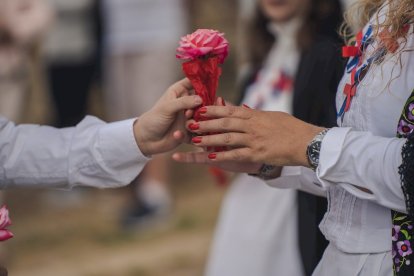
314	149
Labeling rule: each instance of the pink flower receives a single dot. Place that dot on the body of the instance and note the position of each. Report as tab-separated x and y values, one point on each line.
395	232
404	248
4	222
201	43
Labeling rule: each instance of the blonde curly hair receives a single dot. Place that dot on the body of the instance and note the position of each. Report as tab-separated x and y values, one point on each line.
401	12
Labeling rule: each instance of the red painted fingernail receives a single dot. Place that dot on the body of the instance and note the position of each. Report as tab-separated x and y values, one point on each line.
193	126
245	105
223	102
196	140
203	110
212	156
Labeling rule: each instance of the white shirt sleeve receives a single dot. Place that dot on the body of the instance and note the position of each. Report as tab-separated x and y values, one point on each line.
359	159
300	178
93	153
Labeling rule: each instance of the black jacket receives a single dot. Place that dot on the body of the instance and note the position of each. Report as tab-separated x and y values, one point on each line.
320	70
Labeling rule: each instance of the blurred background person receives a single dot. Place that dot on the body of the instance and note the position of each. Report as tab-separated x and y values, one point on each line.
72	56
291	63
140	41
22	22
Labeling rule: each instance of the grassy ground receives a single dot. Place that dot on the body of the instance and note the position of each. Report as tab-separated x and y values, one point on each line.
86	239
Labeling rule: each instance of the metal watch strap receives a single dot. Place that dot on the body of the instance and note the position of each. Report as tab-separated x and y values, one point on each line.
314	148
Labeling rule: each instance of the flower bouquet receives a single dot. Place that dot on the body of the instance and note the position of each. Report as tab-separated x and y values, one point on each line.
204	51
4	222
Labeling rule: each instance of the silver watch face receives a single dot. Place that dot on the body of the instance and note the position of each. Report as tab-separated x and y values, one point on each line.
314	149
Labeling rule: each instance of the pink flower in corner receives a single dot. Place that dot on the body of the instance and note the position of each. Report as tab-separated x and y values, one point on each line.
201	43
4	222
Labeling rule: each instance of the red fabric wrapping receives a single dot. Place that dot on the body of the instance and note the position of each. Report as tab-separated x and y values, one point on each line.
204	75
206	49
219	175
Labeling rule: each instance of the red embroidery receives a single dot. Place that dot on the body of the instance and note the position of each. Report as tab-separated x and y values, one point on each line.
284	83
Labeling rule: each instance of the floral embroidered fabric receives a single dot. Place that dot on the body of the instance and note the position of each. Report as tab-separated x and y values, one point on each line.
402	231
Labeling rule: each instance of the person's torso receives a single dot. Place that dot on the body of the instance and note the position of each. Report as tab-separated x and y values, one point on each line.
355	225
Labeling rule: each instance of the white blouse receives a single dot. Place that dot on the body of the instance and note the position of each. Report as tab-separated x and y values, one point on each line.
363	152
273	87
92	154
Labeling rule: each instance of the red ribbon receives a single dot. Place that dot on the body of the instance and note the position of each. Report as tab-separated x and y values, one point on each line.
353	51
349	91
350	51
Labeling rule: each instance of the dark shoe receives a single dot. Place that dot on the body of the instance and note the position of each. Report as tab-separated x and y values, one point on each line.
143	216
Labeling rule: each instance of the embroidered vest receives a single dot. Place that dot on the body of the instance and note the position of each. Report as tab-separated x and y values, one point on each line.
402	230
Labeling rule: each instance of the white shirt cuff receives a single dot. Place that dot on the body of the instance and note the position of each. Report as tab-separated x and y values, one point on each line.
331	149
117	144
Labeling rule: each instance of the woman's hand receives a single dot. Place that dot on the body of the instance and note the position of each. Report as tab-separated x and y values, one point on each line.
274	138
201	157
162	128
